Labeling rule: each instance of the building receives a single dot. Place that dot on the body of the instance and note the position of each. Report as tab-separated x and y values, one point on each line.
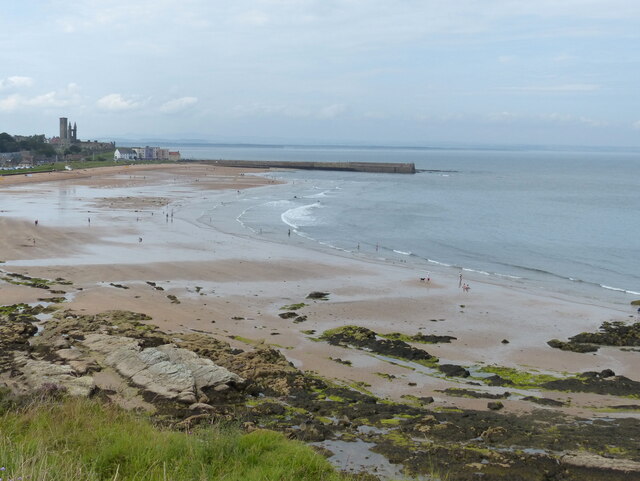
125	153
68	134
145	153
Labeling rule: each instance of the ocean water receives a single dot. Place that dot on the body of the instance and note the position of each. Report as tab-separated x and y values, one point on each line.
564	221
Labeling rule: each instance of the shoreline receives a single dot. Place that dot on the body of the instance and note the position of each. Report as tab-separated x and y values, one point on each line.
207	246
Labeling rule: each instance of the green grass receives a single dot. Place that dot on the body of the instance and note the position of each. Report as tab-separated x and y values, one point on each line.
104	159
89	440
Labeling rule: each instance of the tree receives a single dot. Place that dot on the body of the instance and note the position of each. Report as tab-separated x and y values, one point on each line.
8	143
74	149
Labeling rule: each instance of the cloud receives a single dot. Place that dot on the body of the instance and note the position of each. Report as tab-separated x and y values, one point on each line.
15	82
331	111
255	18
176	105
116	103
571	119
60	98
636	125
11	103
549	118
506	117
291	111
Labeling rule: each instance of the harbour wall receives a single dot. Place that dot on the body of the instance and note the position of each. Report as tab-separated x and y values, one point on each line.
373	167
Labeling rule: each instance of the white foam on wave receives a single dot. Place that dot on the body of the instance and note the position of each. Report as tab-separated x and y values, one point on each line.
302	216
402	252
617	289
484	273
317	196
438	263
277	203
508	276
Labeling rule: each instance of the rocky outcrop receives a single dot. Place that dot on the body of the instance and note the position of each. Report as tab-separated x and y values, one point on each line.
165	370
37	373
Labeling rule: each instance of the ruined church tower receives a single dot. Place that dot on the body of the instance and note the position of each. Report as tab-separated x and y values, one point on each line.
67	132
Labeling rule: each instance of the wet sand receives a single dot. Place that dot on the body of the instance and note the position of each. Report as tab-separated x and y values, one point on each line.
111	228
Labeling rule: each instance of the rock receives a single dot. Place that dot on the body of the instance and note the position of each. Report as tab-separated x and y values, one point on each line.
69	354
318	295
36	373
191	420
83	367
594	461
572	346
288	315
201	407
165	370
16	332
452	370
544	401
493	434
495	405
249	427
505	341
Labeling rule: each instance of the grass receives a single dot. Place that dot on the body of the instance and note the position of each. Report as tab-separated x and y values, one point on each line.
93	441
104	159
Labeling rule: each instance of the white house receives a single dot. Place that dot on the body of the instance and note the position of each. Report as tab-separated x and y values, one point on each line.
125	153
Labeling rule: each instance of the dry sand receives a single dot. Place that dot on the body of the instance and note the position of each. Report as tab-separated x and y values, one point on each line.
232	284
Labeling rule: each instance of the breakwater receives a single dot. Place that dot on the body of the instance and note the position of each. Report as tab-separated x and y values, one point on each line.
373	167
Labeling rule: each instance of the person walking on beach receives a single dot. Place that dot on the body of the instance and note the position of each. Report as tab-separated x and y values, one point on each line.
460	280
289	233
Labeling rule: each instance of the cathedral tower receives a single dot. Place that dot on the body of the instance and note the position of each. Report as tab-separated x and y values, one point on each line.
64	131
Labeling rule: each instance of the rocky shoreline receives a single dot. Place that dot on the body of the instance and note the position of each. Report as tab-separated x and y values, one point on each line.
188	378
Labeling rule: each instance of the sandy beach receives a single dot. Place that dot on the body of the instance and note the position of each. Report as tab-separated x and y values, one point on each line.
129	226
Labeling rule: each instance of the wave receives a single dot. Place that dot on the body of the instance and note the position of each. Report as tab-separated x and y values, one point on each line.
402	252
317	196
439	263
617	289
301	216
484	273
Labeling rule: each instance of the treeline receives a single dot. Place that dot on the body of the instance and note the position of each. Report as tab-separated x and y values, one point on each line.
32	143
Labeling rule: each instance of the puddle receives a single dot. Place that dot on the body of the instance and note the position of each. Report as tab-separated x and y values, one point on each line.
355	457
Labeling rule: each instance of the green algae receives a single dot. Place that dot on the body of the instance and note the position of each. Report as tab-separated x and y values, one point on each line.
356	333
22	280
293	307
517	378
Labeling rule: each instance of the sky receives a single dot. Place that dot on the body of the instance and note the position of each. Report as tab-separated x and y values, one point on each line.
408	72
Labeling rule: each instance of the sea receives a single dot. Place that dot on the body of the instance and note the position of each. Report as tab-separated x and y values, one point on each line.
561	220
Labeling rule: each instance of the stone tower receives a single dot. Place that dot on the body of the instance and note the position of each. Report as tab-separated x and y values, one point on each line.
64	131
68	133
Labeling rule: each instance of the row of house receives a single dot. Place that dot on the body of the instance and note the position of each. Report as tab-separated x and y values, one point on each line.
145	153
